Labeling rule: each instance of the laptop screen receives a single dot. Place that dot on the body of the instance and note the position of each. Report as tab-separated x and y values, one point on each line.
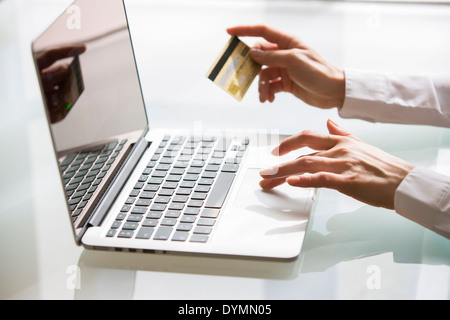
88	75
92	95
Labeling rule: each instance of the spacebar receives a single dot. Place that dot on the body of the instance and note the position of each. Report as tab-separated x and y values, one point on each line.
220	190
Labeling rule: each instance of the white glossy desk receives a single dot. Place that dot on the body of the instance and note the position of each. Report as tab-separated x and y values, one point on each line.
351	251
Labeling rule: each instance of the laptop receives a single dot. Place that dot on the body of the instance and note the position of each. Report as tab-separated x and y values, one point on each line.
130	187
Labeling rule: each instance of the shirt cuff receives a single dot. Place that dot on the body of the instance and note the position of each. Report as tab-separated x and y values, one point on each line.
363	93
424	197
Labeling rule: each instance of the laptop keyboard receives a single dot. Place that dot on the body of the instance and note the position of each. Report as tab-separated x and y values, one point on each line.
83	172
181	191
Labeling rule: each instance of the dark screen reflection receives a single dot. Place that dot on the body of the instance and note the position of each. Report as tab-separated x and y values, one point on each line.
88	75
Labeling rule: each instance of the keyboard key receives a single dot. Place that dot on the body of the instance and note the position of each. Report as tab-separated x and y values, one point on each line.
70	175
209	139
190	177
146	171
211	167
180	236
168	222
159	174
197	163
151	164
185	158
166	160
116	225
218	154
179	198
74	201
199	196
180	164
163	167
134	218
210	213
139	210
130	226
202	230
158	207
199	238
188	219
205	181
121	216
195	203
170	185
209	175
177	171
111	233
172	214
150	223
215	161
154	215
69	159
230	168
162	199
184	191
143	202
204	189
192	210
155	181
206	222
145	233
176	206
173	178
125	234
151	188
147	195
184	227
194	170
134	193
220	190
139	185
163	233
166	192
187	184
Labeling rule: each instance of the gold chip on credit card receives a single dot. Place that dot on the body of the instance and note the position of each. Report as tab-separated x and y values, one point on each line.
234	70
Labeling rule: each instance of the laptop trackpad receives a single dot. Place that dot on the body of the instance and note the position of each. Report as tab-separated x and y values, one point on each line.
264	223
283	202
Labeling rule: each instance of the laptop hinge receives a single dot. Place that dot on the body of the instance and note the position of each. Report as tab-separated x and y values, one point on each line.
119	182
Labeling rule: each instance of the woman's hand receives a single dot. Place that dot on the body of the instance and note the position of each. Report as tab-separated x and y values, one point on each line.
293	67
342	162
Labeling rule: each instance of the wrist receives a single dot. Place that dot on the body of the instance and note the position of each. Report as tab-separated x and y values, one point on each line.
339	88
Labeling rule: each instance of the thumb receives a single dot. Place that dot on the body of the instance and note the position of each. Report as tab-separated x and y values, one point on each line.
333	128
276	58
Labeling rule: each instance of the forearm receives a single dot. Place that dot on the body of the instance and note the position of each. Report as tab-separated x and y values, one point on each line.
384	97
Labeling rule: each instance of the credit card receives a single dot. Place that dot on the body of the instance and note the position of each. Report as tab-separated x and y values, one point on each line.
234	70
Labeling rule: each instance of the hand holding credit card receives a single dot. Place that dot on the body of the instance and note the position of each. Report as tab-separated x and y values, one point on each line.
234	70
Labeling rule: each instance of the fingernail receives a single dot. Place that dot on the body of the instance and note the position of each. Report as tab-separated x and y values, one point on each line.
269	171
276	151
333	122
294	180
265	184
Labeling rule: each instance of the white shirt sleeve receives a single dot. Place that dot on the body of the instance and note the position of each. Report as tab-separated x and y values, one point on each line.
424	195
392	98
